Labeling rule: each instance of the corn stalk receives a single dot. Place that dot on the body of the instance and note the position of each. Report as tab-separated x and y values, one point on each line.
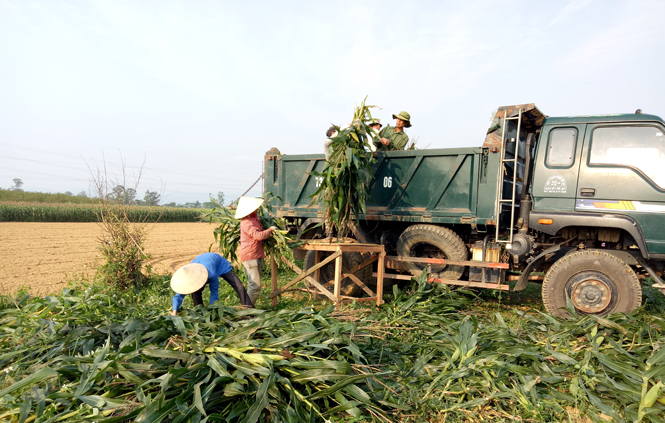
227	234
345	179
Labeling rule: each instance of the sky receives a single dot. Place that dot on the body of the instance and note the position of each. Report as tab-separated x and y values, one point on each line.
185	97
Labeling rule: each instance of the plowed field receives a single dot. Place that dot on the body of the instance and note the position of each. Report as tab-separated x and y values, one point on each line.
44	257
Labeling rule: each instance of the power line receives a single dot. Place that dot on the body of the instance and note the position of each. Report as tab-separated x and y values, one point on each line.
87	170
229	184
121	165
44	174
55	164
198	158
145	179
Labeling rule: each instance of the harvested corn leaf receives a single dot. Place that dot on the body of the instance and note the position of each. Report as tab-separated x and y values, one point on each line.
227	234
345	179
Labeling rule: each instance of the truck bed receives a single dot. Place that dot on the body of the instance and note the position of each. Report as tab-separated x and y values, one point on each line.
437	185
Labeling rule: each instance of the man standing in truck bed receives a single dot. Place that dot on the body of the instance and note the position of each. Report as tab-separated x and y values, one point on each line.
390	138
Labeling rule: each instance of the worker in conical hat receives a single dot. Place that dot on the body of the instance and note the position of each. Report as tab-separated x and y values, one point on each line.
252	235
204	270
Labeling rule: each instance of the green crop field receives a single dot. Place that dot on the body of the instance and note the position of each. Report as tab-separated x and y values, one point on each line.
28	212
16	196
430	354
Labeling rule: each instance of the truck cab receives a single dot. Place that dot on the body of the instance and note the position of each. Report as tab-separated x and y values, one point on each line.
598	198
603	172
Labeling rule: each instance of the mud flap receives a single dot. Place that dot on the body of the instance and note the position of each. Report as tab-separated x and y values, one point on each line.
657	281
524	277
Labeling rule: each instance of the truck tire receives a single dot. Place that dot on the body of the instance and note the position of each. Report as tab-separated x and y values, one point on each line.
596	283
349	261
430	241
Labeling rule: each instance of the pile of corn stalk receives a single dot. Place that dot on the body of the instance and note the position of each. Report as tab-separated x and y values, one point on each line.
345	180
450	364
97	358
426	355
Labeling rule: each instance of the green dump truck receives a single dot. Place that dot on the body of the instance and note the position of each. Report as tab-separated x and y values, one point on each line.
577	203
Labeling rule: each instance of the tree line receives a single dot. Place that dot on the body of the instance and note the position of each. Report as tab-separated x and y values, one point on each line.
120	194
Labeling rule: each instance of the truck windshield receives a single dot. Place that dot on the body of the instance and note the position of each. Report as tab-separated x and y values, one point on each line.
639	147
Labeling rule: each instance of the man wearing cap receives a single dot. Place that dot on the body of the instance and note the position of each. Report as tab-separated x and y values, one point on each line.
376	126
252	235
330	134
204	270
390	138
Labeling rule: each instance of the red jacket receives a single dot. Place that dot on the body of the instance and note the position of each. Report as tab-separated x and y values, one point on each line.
251	238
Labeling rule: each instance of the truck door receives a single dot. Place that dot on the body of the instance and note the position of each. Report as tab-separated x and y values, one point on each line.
623	172
556	166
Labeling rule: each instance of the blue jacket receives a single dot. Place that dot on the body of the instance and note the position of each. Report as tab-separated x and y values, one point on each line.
216	266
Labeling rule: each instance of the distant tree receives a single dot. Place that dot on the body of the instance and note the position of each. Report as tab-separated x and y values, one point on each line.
211	204
171	204
69	193
151	198
130	194
82	194
118	192
18	183
123	195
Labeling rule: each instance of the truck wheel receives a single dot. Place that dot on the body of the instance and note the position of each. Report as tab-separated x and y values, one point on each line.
430	241
596	283
327	273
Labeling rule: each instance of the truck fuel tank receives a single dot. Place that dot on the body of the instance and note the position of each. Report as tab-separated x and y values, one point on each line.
492	254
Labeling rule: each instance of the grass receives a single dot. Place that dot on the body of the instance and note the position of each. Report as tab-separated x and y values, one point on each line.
430	354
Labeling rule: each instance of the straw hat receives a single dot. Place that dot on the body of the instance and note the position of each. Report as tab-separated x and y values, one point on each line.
189	278
247	205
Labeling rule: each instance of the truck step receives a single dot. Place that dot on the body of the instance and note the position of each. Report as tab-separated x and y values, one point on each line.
455	282
446	262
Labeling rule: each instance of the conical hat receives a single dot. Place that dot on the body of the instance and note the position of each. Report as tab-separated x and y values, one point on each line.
247	205
189	278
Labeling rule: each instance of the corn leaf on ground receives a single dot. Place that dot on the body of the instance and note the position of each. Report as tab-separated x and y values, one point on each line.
429	354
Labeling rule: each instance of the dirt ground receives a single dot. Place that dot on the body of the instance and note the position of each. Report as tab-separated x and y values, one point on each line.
44	257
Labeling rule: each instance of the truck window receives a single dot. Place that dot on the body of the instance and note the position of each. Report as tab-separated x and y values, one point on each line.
639	147
561	149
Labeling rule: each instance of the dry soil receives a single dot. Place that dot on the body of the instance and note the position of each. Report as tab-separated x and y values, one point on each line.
45	257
